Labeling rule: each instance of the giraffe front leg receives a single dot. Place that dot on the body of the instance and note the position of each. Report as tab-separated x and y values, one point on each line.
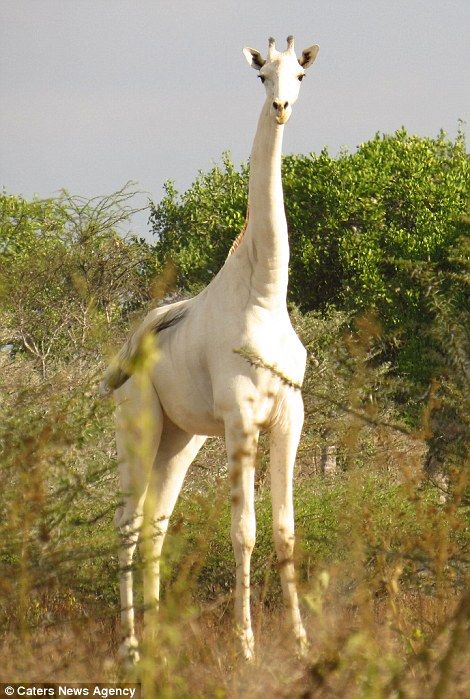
241	450
283	448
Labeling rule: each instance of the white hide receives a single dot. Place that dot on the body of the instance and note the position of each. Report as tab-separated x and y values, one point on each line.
201	387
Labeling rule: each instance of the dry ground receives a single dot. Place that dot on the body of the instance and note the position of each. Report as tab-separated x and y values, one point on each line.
401	645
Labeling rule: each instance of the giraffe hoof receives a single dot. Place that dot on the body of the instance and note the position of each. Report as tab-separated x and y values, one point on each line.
128	652
248	655
302	645
248	645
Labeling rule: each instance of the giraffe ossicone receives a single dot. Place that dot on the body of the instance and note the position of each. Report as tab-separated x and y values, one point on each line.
200	386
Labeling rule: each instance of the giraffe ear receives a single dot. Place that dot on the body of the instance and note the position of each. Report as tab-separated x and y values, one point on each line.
254	58
308	56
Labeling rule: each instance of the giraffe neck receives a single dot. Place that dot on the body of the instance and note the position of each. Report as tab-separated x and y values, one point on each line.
267	227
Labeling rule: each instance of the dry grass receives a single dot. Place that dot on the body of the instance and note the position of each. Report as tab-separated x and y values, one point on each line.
367	649
382	563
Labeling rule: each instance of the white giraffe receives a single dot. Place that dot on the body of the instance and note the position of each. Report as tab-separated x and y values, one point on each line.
201	387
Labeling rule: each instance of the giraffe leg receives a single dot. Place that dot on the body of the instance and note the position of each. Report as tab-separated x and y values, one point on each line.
176	452
241	450
284	440
139	422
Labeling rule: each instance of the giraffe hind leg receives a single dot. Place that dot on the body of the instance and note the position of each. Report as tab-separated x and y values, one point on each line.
176	452
139	422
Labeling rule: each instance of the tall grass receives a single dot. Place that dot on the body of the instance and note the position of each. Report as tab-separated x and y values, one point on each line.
381	561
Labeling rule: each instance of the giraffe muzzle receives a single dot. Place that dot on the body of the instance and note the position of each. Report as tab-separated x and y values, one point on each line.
282	110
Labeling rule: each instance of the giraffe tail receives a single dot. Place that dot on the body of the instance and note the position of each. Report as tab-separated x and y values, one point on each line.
123	365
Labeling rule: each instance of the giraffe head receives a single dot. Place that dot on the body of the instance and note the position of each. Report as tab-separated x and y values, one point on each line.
281	73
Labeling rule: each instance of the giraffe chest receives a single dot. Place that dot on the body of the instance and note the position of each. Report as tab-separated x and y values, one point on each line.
277	347
260	339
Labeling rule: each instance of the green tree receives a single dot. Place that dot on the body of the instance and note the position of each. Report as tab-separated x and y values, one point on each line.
67	275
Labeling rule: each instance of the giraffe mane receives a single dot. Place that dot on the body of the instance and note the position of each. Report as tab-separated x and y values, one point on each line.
237	242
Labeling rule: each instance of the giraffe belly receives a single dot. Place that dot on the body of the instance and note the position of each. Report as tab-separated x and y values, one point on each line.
186	396
199	382
192	421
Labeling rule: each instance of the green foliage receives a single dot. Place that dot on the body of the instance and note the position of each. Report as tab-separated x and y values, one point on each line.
347	389
67	276
58	485
25	224
357	218
365	514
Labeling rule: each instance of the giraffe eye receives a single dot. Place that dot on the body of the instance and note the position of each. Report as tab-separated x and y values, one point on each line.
262	78
301	77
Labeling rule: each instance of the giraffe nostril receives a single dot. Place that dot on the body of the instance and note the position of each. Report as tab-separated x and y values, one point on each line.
286	104
276	104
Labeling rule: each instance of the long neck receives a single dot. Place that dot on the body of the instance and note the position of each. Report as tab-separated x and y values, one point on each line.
267	226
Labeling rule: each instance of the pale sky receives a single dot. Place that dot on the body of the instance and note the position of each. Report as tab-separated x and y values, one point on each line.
98	92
